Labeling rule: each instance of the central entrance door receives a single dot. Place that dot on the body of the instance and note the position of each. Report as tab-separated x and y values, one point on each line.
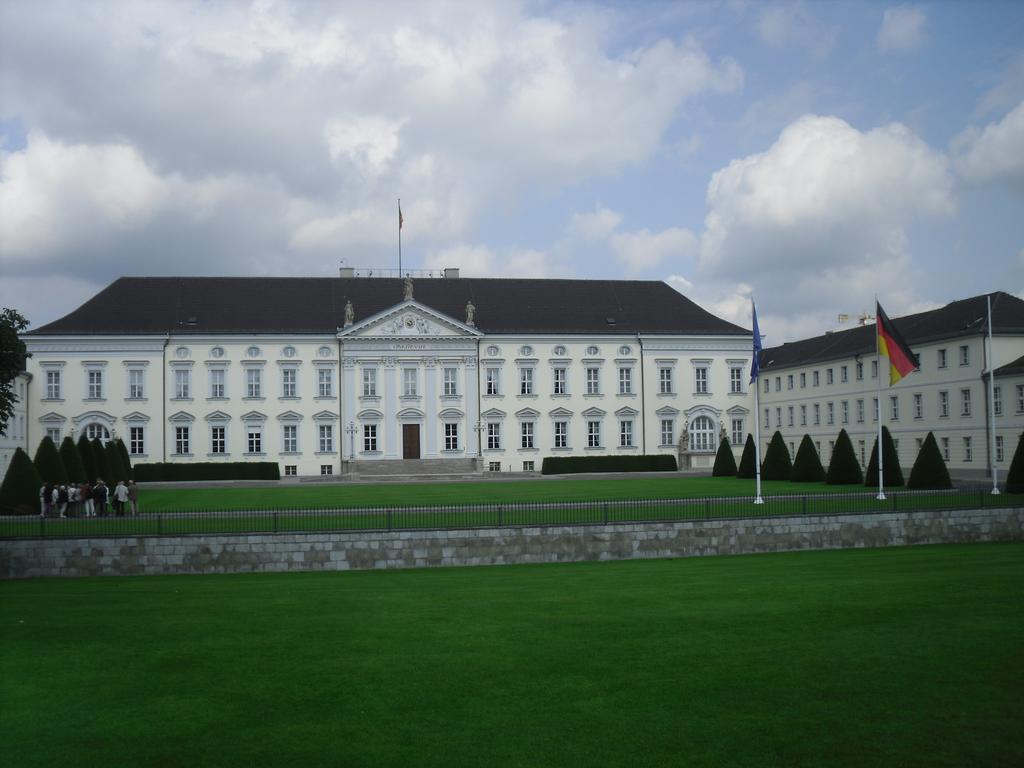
410	441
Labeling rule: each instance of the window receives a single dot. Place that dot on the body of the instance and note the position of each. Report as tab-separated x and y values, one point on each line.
254	440
945	448
182	383
859	368
894	408
965	355
625	381
559	381
451	435
290	436
789	381
1020	398
451	387
561	434
997	401
493	436
965	402
943	404
593	434
626	433
736	380
789	416
526	381
803	415
737	431
136	390
136	441
54	434
941	358
326	469
53	385
874	401
792	448
817	414
702	434
700	380
492	381
409	382
845	411
218	439
828	376
999	448
778	417
593	381
778	383
968	451
860	446
874	369
526	434
815	378
860	411
767	385
528	466
767	419
803	381
830	413
181	441
96	432
288	382
291	470
253	382
918	406
326	435
369	382
324	382
94	390
665	381
217	389
844	374
668	430
370	437
494	466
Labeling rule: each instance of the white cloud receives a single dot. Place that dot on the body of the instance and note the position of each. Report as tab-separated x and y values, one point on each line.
819	221
482	261
994	153
793	25
644	250
902	28
595	226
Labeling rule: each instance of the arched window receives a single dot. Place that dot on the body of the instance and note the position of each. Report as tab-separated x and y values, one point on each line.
702	434
97	430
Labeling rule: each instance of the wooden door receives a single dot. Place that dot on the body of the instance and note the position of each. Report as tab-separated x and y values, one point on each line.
410	441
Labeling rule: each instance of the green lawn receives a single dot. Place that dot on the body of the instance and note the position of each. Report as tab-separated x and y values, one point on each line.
911	657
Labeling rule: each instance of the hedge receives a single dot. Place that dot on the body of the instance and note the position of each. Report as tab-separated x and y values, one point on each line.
567	465
725	462
207	470
776	465
748	461
72	461
844	469
1015	477
48	463
807	466
929	471
88	457
892	475
19	492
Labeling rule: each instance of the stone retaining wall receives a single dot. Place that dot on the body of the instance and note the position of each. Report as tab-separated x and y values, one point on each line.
238	553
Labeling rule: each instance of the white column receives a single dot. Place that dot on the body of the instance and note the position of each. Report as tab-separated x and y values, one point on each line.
392	437
430	407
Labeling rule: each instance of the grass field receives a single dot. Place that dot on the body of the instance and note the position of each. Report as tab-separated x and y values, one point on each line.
911	657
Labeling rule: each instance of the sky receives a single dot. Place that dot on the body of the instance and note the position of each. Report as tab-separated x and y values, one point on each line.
813	155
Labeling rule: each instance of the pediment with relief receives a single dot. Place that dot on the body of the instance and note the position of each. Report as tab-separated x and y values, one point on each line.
408	320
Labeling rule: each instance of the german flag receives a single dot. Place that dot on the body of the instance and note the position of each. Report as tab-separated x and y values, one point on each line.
891	344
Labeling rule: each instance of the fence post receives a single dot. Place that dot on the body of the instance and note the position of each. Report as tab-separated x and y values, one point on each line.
606	513
805	505
895	499
389	518
707	508
275	521
159	523
501	510
42	527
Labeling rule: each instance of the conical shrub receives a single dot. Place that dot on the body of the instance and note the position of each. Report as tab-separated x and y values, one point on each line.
776	465
88	456
117	470
48	463
1015	477
72	461
725	462
892	474
844	469
929	470
100	457
126	460
19	492
748	461
807	465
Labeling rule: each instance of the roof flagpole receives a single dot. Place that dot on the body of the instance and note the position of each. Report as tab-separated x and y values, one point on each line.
401	221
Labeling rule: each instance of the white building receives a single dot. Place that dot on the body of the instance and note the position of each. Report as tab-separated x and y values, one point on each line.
16	434
820	385
320	373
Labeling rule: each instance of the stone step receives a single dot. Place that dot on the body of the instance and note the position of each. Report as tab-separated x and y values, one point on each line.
414	467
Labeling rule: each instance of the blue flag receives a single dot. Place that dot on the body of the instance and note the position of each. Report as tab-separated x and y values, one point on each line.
755	364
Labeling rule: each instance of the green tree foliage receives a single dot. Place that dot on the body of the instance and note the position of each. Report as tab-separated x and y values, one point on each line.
48	462
892	474
100	458
126	460
117	469
725	462
748	461
844	469
72	461
88	456
1015	477
12	361
776	465
807	465
19	493
929	470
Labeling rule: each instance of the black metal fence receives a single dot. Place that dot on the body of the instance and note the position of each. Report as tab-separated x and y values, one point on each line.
257	521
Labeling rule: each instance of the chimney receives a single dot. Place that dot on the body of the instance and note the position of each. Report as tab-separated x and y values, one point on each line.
452	272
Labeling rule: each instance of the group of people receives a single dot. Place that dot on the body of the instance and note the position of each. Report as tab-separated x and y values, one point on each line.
88	500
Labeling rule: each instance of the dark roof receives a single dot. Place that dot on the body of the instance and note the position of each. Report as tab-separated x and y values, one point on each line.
1013	368
150	305
966	317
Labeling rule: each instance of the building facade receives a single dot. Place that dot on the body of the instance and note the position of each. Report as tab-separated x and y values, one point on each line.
325	374
16	434
820	385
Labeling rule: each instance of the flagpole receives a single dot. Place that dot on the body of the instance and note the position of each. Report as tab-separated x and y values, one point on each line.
755	380
992	402
399	237
878	391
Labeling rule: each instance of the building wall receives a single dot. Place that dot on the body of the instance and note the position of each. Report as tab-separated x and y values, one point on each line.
16	434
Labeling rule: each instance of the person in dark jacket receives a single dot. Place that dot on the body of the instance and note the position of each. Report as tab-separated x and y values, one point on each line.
99	497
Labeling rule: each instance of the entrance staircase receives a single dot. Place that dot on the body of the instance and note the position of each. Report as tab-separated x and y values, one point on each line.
414	469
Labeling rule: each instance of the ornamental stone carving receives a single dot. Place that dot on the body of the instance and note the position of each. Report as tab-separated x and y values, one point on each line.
350	314
408	288
470	314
